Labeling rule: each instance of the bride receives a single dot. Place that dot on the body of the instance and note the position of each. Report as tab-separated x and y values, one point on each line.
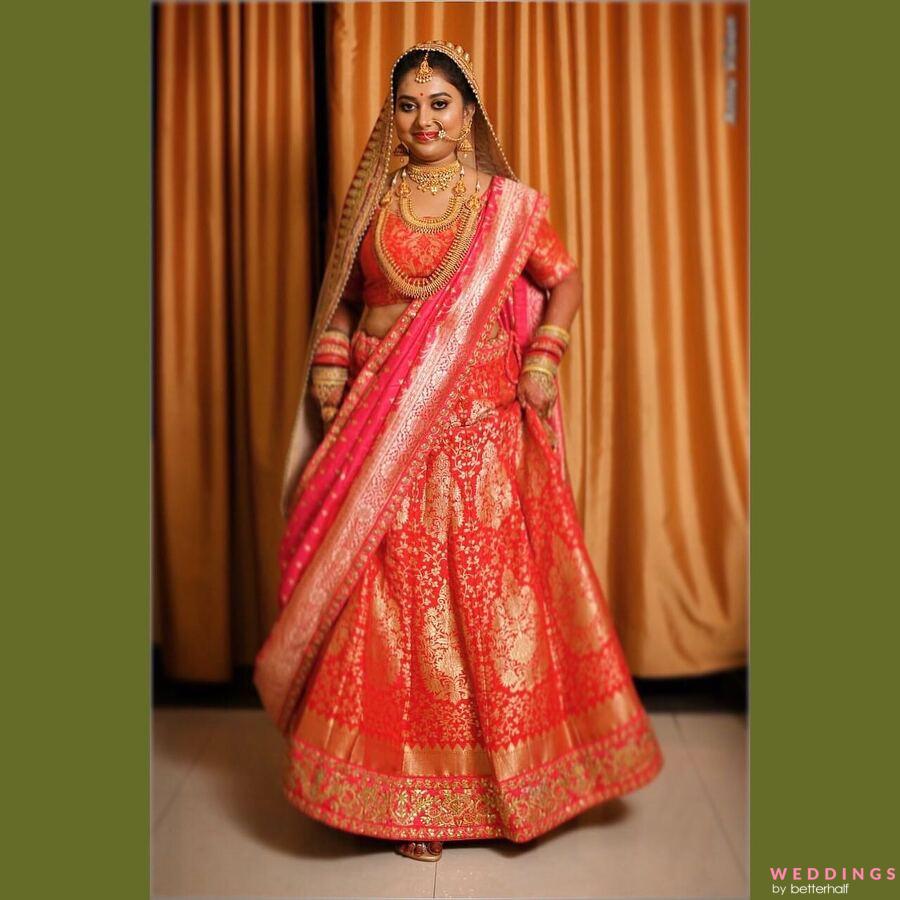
445	664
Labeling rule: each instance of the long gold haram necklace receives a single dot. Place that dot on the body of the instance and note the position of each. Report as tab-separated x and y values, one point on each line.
424	286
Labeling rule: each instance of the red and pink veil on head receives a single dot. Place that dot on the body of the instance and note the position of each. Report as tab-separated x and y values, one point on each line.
367	186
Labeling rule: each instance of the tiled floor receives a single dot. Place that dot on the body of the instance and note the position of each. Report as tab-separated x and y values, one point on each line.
221	827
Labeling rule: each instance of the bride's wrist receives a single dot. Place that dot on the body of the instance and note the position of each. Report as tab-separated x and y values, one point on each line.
545	351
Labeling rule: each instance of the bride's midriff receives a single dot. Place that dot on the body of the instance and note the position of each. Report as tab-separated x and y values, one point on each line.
377	320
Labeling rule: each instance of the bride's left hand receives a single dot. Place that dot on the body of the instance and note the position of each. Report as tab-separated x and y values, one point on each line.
539	392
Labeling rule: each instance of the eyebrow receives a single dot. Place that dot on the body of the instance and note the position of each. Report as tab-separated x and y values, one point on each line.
431	96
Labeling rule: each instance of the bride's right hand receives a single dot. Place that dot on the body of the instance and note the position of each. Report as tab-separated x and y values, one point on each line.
328	386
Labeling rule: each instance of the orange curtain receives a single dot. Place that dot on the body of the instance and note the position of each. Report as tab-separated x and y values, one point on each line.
633	118
236	266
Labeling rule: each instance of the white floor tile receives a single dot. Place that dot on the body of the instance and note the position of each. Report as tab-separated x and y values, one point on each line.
661	841
178	738
717	743
228	831
202	849
244	751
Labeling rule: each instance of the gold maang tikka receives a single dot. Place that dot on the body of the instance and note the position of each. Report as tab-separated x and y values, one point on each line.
424	73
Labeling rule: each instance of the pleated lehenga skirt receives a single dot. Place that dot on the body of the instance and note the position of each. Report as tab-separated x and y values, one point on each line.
473	685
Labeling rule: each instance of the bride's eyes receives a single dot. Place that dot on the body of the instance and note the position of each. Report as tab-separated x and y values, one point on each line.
409	107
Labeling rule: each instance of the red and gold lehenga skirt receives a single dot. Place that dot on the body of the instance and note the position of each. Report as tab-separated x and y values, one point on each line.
473	685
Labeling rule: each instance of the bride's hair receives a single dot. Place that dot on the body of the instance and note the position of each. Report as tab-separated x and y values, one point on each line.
441	63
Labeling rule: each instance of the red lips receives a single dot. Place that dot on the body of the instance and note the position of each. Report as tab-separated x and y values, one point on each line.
425	135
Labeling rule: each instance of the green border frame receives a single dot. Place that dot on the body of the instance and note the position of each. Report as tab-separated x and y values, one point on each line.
824	446
824	486
76	377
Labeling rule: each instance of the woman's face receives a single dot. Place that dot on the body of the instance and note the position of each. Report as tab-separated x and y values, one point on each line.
419	112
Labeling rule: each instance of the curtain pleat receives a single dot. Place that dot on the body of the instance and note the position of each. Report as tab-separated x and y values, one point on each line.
620	112
236	214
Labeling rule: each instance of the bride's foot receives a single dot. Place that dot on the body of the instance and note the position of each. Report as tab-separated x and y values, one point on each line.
427	851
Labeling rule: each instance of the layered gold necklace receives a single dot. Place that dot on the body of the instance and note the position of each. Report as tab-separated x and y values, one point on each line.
462	208
431	224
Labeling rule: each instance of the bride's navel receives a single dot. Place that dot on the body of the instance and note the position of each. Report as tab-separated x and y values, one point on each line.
378	321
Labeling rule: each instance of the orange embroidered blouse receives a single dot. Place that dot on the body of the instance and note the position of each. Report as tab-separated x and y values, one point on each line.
418	255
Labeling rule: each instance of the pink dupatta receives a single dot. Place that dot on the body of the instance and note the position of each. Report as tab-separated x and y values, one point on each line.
348	492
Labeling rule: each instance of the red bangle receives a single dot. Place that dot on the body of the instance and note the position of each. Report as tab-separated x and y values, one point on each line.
550	342
333	349
537	355
331	359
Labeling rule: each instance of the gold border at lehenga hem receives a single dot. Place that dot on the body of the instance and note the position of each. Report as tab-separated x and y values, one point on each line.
472	807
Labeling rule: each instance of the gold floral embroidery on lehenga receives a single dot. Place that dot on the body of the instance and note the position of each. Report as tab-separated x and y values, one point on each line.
472	686
385	660
516	626
441	664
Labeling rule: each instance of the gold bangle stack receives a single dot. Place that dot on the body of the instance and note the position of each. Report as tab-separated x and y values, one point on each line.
328	376
337	335
546	350
555	330
538	367
328	384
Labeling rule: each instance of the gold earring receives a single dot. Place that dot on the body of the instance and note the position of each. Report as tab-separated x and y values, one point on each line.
465	145
401	149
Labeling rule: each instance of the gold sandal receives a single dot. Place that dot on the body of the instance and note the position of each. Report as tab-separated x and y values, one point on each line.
425	851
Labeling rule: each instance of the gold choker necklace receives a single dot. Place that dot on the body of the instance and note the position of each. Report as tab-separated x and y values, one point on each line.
431	179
